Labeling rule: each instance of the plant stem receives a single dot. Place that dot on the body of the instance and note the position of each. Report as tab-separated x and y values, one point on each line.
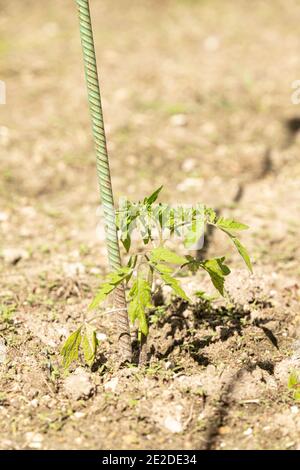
143	355
143	345
103	172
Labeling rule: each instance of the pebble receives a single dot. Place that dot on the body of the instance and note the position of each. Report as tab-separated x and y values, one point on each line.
34	440
73	269
173	425
101	336
3	216
4	135
248	432
189	183
14	255
111	385
95	271
78	385
224	430
169	365
189	164
294	409
178	120
29	212
34	403
3	351
211	43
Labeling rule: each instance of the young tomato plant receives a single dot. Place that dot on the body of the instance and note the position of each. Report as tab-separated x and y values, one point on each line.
156	223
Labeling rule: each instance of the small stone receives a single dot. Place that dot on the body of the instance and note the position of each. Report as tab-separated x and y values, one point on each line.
294	409
4	135
173	425
3	351
283	369
111	385
224	430
189	164
78	385
191	382
169	365
6	443
34	403
74	269
3	216
248	432
34	440
14	255
178	120
29	212
79	414
189	183
46	398
167	291
101	336
211	43
95	271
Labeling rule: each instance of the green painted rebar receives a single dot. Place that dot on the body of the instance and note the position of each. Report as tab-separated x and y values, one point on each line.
103	171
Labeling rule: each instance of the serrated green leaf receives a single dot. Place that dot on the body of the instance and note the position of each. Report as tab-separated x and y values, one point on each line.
163	214
140	301
173	283
296	395
193	264
217	265
126	242
164	254
210	215
163	268
152	198
112	281
202	295
293	380
70	348
195	231
217	271
243	252
89	344
132	261
230	225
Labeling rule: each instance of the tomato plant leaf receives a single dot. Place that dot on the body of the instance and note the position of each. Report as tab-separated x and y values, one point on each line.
126	242
202	295
296	395
112	281
70	349
293	380
230	225
163	268
140	301
217	271
195	231
89	344
243	252
152	198
210	214
172	282
164	254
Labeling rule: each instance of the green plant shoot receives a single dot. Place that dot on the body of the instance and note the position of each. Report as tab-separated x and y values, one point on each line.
157	224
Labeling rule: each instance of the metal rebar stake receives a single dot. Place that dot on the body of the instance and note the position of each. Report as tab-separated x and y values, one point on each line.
103	172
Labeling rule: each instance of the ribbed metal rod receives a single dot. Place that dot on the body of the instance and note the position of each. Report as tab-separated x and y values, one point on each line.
103	170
